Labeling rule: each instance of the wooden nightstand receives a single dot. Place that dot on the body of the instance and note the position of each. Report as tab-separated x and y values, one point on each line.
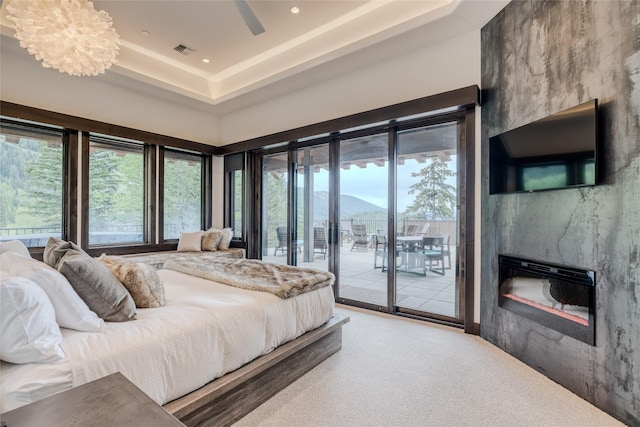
109	401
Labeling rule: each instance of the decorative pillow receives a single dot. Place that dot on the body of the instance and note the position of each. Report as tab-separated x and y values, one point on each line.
141	280
56	249
15	246
71	311
190	242
227	234
211	239
97	287
30	333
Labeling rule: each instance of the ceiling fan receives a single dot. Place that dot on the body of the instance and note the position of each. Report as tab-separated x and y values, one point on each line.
249	17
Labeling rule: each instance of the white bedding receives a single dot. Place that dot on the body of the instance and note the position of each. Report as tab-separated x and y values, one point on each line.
205	330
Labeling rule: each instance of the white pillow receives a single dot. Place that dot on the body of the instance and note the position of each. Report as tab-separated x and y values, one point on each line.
190	242
227	234
15	246
71	311
30	333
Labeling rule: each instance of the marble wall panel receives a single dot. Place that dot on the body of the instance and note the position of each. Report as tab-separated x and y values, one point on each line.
540	57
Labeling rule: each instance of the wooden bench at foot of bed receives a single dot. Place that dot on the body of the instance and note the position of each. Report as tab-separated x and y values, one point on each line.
229	398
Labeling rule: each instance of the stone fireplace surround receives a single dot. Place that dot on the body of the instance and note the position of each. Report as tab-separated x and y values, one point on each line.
538	58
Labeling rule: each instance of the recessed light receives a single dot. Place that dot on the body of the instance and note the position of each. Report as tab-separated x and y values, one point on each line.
145	32
294	9
206	60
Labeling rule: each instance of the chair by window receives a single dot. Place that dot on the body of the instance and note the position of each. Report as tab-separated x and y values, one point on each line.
281	232
380	246
433	252
320	241
360	236
446	248
417	228
346	231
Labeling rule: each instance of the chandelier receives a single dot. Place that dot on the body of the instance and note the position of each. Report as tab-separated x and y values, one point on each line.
68	35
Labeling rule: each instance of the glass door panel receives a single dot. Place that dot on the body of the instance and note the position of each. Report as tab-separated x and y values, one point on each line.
363	193
427	220
313	207
275	204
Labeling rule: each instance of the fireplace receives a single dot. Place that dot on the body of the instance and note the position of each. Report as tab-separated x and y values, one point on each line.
555	296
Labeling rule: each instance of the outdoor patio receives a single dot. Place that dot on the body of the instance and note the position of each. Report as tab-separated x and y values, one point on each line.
359	280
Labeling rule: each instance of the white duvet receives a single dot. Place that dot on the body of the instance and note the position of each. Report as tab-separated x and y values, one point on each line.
205	330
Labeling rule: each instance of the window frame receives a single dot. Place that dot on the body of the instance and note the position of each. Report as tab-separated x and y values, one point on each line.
205	188
76	132
232	164
68	224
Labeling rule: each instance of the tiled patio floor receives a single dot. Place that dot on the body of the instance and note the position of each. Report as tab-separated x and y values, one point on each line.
359	280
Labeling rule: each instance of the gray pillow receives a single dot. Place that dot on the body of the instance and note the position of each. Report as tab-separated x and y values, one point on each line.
97	286
56	249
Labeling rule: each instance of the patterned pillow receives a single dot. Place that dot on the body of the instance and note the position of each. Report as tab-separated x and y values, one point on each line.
141	280
211	239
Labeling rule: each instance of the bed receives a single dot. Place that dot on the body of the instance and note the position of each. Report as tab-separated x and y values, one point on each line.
199	354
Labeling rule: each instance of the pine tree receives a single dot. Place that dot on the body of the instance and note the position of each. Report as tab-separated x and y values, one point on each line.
44	190
105	181
435	199
182	196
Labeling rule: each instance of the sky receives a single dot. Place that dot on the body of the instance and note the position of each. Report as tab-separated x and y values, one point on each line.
370	184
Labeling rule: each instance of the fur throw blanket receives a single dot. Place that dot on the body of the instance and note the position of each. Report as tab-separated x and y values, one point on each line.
284	281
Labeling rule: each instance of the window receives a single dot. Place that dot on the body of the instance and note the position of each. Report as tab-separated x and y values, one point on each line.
116	192
182	193
234	193
31	184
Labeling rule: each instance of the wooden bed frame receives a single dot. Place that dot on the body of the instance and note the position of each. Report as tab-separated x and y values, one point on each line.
232	396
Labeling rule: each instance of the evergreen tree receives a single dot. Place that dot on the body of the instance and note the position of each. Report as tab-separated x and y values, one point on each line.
182	196
8	204
129	199
44	189
105	180
435	199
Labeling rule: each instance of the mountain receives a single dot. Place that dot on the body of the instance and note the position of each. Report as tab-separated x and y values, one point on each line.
349	205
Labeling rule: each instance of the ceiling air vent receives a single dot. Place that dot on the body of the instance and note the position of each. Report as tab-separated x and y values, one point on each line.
185	50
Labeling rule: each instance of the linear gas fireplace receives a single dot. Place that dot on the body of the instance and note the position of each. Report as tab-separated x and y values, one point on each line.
558	297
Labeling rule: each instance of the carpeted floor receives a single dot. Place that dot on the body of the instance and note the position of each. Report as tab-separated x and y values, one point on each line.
393	371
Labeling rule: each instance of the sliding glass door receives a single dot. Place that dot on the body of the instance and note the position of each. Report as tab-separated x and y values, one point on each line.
364	177
276	242
312	216
380	208
427	220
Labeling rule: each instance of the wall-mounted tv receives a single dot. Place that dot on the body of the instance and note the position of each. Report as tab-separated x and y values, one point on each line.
558	151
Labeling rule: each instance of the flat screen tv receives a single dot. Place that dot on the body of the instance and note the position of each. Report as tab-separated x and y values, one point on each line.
558	151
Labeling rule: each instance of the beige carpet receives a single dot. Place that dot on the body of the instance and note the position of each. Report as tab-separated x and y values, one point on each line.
393	371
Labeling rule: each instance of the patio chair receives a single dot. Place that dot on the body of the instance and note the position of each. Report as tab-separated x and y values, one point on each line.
346	232
446	248
380	246
320	241
360	236
281	232
417	229
433	252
